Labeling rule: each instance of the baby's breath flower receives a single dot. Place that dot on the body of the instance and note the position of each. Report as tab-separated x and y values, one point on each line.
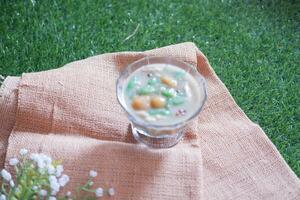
42	160
52	178
54	185
6	175
51	169
11	183
69	194
63	180
93	173
43	193
99	192
34	156
23	152
34	187
59	169
111	191
41	164
46	159
17	190
13	161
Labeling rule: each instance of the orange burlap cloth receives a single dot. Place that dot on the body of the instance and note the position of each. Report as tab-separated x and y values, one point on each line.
72	114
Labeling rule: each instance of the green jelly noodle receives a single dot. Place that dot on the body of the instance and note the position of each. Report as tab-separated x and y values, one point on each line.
153	81
179	74
168	92
161	111
148	89
132	83
178	100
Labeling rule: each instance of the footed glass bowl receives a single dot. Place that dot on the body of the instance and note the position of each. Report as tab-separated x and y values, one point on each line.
160	131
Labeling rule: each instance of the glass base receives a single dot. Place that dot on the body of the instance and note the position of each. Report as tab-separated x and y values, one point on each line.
159	141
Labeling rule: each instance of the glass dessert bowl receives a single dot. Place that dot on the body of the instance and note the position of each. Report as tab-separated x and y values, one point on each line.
160	96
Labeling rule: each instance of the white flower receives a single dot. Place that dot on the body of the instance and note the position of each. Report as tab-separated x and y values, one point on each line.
13	161
54	185
54	192
69	194
52	178
6	175
17	190
34	187
46	159
93	173
42	160
99	192
34	156
2	197
51	169
11	183
41	164
59	169
43	193
111	191
63	180
23	152
52	198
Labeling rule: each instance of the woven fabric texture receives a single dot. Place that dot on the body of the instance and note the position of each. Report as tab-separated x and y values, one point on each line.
72	114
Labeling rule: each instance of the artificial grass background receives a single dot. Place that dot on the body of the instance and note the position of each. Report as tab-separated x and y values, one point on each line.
252	45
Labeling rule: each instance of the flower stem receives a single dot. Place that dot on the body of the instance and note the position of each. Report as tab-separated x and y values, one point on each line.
88	190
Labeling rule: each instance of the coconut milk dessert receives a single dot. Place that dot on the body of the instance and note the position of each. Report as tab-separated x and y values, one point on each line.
162	94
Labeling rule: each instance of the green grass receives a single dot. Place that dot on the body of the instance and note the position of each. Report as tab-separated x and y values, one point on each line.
252	45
